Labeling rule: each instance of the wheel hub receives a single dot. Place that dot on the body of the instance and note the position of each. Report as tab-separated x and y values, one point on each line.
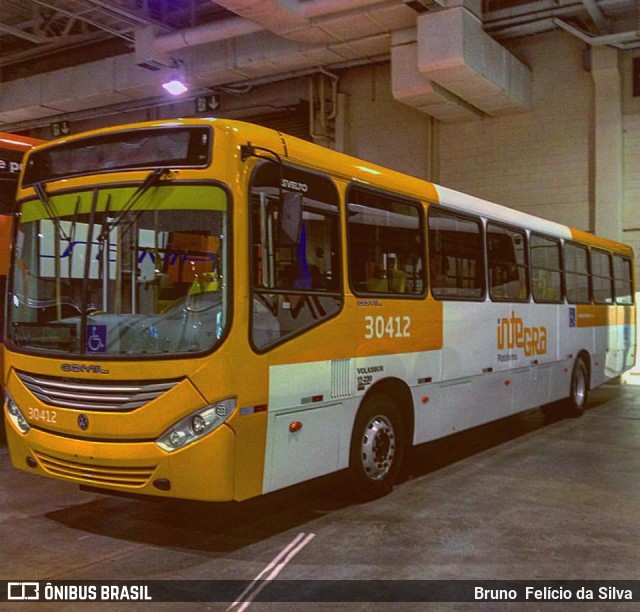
579	387
378	447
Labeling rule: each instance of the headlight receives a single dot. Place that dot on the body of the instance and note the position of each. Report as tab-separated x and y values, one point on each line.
196	425
15	414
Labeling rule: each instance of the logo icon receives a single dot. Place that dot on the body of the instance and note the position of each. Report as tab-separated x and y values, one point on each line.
83	422
96	338
83	368
21	591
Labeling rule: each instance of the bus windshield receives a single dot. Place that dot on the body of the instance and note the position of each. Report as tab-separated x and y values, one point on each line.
121	271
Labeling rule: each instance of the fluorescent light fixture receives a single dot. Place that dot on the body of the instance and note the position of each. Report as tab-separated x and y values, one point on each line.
176	83
175	86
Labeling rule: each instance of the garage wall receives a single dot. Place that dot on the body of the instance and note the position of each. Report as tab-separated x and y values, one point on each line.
631	185
631	179
378	129
631	160
537	161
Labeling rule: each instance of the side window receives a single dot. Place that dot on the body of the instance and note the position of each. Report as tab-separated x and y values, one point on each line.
386	244
601	277
507	254
295	246
456	256
546	269
576	273
622	279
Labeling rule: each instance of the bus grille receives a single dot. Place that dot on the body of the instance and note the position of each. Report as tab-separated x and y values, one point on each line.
95	474
92	395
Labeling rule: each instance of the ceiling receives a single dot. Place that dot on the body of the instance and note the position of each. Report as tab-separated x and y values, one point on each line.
78	40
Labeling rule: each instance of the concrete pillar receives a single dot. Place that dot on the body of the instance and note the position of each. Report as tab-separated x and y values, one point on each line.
607	176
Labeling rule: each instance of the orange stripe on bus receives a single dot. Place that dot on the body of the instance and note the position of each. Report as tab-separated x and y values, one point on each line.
603	243
602	315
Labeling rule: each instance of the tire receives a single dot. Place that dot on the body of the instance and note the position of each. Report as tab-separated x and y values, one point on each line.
377	448
574	405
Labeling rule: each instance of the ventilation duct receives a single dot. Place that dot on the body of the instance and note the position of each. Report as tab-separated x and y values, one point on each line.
454	71
456	53
410	86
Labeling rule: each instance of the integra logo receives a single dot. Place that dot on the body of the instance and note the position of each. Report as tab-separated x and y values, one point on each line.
83	368
513	333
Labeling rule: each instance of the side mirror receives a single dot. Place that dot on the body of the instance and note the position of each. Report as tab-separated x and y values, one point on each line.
290	218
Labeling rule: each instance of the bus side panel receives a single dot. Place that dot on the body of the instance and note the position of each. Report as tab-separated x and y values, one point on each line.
305	432
371	340
534	360
630	336
625	333
313	407
498	358
311	451
613	346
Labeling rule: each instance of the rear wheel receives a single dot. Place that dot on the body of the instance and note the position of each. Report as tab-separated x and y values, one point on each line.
574	405
377	447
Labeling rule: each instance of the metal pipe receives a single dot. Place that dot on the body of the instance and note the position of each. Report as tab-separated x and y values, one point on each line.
133	18
596	15
207	33
100	26
320	8
239	26
34	38
599	41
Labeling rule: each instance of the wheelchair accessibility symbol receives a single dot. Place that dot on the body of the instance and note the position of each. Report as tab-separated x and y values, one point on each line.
96	338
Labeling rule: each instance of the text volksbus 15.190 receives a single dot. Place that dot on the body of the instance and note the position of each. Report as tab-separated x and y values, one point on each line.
208	309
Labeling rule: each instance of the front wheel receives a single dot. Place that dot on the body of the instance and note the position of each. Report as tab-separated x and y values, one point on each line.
377	447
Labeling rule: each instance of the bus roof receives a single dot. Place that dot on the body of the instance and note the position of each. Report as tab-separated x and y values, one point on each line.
351	168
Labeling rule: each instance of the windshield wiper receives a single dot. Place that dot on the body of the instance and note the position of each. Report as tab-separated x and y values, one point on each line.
150	181
43	196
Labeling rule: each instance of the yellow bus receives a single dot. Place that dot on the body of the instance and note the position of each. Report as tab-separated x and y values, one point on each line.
208	309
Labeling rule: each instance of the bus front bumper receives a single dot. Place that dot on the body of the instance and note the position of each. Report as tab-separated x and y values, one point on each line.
203	470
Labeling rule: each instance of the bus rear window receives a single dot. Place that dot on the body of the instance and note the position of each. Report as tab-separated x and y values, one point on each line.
170	147
602	278
623	283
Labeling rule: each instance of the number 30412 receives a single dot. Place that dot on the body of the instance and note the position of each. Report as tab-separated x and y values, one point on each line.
387	327
38	414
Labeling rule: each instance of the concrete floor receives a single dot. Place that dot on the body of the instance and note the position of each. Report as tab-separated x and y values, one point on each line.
521	499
